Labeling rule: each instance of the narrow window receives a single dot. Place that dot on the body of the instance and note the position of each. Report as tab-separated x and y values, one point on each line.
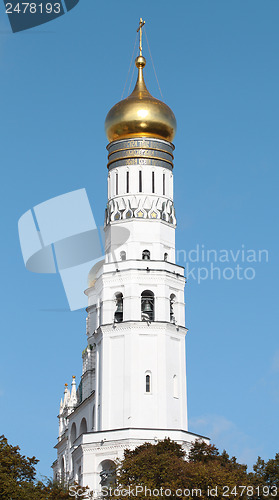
83	427
73	434
147	383
62	468
140	181
165	256
116	183
146	255
153	182
79	475
127	182
123	255
164	184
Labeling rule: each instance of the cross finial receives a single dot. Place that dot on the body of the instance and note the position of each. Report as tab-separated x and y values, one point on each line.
141	24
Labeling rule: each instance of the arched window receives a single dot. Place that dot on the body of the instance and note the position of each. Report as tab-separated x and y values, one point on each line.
127	182
79	475
83	427
148	382
123	255
107	473
165	256
147	306
146	255
175	387
118	315
62	470
164	184
172	301
116	183
73	433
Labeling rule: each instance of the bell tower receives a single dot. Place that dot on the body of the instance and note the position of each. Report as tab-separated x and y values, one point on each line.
133	387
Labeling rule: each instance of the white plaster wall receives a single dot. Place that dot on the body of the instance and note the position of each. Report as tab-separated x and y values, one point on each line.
129	352
143	234
134	185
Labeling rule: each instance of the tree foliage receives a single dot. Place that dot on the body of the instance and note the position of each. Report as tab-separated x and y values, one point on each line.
17	473
266	477
205	473
163	468
18	477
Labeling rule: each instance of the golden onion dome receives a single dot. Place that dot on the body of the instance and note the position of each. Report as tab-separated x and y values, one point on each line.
140	114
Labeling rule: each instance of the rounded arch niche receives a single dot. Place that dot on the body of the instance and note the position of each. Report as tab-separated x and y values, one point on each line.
73	435
107	471
83	427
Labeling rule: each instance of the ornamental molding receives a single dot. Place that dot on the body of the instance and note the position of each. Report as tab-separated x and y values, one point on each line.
94	448
153	162
135	207
142	325
102	448
156	280
140	142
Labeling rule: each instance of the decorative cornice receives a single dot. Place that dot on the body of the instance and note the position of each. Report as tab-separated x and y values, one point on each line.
103	447
140	207
142	325
154	275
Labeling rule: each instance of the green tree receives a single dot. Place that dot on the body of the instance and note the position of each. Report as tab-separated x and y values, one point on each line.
163	467
200	452
266	477
18	477
17	472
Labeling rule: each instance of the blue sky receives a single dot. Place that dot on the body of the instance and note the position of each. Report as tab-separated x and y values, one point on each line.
217	64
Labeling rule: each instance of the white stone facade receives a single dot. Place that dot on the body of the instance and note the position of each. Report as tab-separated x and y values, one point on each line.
133	386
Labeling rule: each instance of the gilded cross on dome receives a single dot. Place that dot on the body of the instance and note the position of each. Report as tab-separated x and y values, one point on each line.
140	114
141	24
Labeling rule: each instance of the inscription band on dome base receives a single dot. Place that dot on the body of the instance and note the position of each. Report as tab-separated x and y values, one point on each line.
140	151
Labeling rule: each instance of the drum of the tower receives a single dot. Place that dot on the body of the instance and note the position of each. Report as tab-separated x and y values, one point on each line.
140	151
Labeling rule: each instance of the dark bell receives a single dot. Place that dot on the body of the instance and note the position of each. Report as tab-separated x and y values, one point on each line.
147	307
119	308
118	317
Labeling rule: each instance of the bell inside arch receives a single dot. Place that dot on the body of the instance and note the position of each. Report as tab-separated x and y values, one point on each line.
147	308
118	315
119	308
147	305
146	255
172	316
